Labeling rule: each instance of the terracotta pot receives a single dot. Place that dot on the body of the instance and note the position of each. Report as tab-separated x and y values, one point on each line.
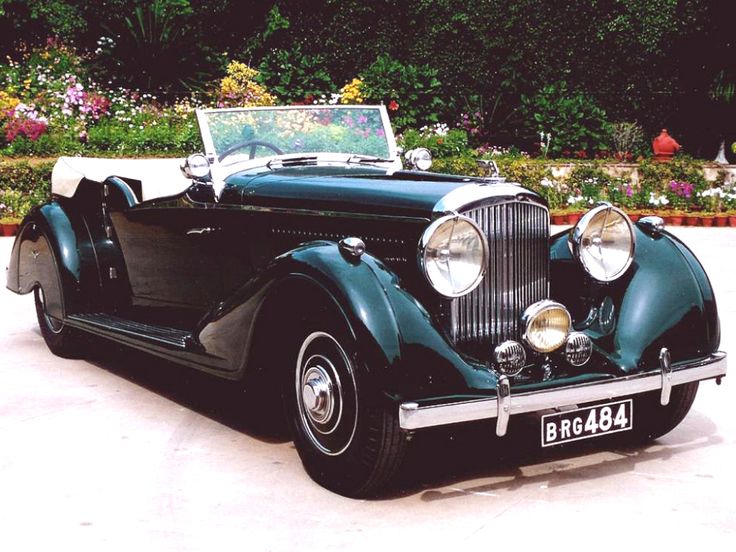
675	220
573	218
691	220
721	221
634	217
732	220
559	219
707	221
9	229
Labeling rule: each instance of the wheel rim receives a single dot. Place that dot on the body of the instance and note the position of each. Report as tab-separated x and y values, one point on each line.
326	394
52	324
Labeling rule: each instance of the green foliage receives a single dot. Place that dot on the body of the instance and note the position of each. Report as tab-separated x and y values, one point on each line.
22	186
294	75
155	47
415	91
575	122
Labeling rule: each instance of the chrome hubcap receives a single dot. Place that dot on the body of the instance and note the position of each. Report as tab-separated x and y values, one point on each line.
317	394
326	394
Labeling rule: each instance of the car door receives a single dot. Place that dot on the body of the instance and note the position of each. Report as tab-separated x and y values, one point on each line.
170	250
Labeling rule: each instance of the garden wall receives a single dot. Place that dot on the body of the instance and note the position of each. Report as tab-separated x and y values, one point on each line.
631	170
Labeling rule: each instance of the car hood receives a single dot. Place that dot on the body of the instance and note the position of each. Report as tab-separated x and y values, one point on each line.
355	189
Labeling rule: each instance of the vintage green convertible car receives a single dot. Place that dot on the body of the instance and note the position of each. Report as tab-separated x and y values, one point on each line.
298	257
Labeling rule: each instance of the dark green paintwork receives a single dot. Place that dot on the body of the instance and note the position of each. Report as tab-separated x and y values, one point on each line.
274	232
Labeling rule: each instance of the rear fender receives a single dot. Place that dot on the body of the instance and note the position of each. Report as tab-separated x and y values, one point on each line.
48	253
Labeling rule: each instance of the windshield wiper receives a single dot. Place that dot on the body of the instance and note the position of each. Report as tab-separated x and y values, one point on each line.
368	159
291	161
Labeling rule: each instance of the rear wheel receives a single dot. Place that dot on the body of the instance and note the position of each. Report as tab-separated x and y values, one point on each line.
60	338
348	439
652	420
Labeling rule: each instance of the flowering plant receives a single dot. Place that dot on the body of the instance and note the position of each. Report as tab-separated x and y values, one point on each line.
239	88
25	121
679	193
713	199
352	93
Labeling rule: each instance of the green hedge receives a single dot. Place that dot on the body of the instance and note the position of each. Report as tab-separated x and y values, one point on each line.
26	182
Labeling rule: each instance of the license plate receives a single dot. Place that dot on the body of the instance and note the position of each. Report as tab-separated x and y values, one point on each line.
587	422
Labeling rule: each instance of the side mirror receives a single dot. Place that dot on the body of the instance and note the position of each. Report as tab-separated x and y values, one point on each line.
419	158
196	167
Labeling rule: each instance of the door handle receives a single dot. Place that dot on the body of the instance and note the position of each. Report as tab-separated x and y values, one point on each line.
200	231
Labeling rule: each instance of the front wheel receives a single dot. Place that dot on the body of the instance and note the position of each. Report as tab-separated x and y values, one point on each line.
348	440
652	420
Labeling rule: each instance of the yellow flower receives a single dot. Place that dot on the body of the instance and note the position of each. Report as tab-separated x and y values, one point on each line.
351	92
239	88
7	102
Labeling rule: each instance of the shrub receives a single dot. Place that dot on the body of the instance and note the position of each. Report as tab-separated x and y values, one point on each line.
294	76
627	140
411	92
576	124
239	88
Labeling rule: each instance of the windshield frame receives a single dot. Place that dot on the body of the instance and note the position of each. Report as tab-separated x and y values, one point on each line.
212	154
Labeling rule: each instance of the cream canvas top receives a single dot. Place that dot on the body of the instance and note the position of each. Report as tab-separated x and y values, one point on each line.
158	177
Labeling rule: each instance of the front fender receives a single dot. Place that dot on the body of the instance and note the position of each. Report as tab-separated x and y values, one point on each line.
405	355
665	300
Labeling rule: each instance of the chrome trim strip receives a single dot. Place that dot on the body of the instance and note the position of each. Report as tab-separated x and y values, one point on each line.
464	197
295	211
414	416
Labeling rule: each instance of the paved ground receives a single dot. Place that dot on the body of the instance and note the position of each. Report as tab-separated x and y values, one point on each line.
125	452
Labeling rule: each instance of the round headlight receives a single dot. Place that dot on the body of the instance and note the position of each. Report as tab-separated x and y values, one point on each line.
453	253
603	241
546	325
419	158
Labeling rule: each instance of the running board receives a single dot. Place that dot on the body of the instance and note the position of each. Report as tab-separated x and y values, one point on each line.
108	325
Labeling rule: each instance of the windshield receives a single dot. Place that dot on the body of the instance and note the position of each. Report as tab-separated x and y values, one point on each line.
234	134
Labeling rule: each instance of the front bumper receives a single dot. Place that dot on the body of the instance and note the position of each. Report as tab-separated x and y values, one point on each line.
413	415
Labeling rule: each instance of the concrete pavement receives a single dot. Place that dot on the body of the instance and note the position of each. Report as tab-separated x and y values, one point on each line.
122	451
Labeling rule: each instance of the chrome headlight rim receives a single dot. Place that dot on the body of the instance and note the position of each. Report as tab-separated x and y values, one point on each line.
532	313
577	233
427	235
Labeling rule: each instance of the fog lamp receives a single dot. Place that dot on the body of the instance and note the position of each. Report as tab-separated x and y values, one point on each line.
578	348
546	325
510	357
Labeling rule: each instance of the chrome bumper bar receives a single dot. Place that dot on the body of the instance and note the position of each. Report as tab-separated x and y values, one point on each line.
412	415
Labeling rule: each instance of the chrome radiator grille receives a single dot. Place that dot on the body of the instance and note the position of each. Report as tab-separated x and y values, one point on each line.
517	275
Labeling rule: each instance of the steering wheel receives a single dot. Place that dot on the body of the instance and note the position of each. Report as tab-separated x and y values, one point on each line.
253	144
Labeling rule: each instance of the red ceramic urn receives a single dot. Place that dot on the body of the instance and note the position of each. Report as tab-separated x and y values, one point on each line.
665	146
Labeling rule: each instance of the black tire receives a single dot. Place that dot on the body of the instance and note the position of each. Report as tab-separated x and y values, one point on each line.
347	438
652	420
62	340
